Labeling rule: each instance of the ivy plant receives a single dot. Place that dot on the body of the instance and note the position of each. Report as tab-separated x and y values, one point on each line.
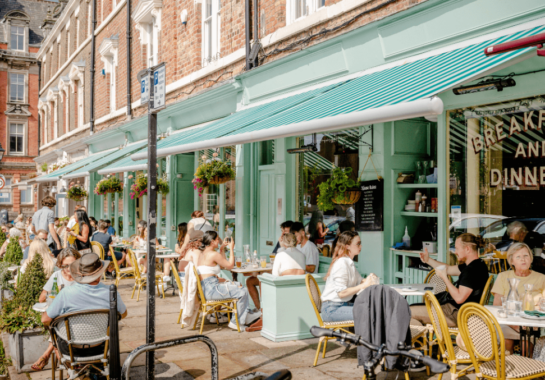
334	187
14	253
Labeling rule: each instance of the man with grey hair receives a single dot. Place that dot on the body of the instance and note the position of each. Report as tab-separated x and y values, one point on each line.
518	232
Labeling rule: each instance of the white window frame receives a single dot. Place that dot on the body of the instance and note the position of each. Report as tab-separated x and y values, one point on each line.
211	31
113	80
31	191
20	33
24	85
292	11
108	50
77	33
147	17
89	18
153	43
6	190
22	134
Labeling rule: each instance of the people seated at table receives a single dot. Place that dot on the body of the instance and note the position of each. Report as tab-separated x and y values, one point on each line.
343	281
88	293
308	248
111	230
182	231
140	239
345	225
289	261
64	279
519	257
94	225
82	237
284	229
41	234
518	232
198	222
472	275
209	266
44	219
105	240
39	247
192	251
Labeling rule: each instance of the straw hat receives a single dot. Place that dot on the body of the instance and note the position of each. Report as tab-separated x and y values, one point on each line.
195	235
88	268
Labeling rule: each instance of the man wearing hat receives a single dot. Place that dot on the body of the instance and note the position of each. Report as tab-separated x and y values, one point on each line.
87	294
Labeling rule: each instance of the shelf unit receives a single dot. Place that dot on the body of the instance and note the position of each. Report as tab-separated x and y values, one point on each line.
417	185
419	214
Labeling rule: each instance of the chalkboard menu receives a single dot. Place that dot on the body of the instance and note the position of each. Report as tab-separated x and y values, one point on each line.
370	207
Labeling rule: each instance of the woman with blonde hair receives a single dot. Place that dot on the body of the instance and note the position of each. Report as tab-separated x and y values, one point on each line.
39	247
289	261
343	281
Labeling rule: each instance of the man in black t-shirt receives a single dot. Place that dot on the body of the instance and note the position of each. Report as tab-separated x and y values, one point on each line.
105	239
472	277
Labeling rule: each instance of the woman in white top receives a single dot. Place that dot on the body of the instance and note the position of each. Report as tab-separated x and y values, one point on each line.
198	223
64	278
39	247
289	261
343	280
209	265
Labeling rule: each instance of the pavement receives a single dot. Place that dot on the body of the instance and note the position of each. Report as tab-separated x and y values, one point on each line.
239	353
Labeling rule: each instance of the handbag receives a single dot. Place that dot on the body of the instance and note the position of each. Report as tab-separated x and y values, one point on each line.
444	297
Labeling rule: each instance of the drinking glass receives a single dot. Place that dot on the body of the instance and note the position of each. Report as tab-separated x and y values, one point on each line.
518	308
504	303
542	304
263	261
271	258
239	261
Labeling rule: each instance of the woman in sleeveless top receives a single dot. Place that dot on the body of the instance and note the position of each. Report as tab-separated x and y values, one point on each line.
209	266
197	223
82	242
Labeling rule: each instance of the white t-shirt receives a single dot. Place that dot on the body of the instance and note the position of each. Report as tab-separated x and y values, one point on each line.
61	281
201	224
343	276
290	258
311	254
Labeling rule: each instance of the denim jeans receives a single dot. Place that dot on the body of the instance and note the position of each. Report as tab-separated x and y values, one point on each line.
337	311
214	290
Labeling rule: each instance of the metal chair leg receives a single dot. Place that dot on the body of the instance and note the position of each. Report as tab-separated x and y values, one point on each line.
179	316
325	347
318	351
202	323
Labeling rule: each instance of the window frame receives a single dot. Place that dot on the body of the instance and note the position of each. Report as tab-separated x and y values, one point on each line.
312	7
24	76
31	201
23	134
153	42
22	35
211	35
6	190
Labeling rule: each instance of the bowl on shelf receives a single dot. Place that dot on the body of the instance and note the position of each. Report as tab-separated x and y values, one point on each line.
410	208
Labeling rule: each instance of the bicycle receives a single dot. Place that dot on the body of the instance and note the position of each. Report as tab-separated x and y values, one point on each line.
381	351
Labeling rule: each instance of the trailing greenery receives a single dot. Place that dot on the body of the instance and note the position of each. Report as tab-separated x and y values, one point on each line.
334	188
5	362
5	275
14	253
109	185
77	193
2	237
43	167
17	313
212	171
140	186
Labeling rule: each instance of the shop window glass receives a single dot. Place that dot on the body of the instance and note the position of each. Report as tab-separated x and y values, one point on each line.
26	195
497	173
5	194
209	201
230	192
334	150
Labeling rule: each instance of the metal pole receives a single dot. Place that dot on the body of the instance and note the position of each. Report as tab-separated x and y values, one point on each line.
115	358
152	232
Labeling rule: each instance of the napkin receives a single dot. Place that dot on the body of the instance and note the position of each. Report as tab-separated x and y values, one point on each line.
534	313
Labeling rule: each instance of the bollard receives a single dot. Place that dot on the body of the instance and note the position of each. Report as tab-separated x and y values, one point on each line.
115	359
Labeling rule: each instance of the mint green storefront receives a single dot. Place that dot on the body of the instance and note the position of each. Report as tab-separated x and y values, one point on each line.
276	94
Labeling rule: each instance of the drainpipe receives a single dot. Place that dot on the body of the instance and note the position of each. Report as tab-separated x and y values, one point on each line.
93	43
247	22
255	34
129	41
39	118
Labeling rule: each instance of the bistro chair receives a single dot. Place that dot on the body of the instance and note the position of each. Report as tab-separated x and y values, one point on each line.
484	340
140	281
449	353
228	305
180	287
315	298
487	291
77	330
440	286
97	248
127	272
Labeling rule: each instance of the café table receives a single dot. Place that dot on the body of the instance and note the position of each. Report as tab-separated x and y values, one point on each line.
251	269
412	289
519	321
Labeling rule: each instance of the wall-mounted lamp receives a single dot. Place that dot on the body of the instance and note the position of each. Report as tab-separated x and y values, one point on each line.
486	85
183	17
54	189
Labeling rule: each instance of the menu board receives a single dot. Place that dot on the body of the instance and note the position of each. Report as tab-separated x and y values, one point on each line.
370	207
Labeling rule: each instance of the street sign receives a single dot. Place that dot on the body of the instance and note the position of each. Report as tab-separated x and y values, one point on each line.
2	181
159	87
143	77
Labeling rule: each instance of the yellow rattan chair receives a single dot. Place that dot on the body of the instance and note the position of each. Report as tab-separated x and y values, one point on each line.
487	291
120	273
450	354
228	305
315	298
180	287
433	279
97	248
481	333
140	281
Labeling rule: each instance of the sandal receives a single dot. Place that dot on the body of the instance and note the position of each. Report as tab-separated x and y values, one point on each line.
40	364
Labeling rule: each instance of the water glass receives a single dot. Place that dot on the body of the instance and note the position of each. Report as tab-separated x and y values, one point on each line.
263	261
542	304
238	261
504	303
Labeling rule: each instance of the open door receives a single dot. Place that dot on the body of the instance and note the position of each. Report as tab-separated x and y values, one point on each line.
267	214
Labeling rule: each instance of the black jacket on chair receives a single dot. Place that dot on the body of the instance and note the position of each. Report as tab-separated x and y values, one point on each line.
381	315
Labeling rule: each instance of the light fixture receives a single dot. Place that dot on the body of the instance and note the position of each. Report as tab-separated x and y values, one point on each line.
2	151
183	17
485	85
62	190
306	148
54	189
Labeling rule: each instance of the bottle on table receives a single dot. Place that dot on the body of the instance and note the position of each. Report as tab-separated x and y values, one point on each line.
54	291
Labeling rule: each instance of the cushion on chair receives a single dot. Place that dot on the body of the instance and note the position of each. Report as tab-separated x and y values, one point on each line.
460	354
223	300
417	331
329	324
515	367
83	359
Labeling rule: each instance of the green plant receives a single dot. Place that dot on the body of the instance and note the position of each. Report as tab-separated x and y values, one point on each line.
109	185
14	253
43	167
77	193
5	362
5	275
17	313
334	188
2	237
140	186
212	171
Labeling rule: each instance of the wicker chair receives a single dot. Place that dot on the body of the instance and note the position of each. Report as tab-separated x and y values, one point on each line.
180	288
487	291
140	281
315	298
228	305
449	353
481	333
97	248
433	279
127	272
78	329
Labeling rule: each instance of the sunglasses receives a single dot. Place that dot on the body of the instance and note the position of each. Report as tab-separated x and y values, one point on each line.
65	267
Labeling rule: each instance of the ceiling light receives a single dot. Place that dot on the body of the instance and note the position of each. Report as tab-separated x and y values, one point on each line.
306	148
486	85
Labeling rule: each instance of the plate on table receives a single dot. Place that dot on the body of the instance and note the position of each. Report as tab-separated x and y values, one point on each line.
532	317
41	306
405	289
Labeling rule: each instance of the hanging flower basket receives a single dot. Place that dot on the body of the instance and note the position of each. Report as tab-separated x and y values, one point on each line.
109	185
219	180
77	193
338	189
212	172
349	197
140	186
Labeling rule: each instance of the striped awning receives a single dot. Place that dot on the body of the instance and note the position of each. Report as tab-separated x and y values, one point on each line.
393	92
124	165
103	161
57	174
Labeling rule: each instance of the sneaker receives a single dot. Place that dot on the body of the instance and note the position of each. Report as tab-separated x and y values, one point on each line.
223	318
252	317
417	367
167	279
233	326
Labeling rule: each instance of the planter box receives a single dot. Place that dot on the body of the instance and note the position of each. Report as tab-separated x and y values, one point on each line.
26	348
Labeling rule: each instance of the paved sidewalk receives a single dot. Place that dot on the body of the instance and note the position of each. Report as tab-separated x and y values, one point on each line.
239	353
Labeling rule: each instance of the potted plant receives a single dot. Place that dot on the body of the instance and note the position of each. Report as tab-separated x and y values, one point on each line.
43	167
109	185
5	362
26	332
338	189
14	253
212	172
2	237
140	186
77	193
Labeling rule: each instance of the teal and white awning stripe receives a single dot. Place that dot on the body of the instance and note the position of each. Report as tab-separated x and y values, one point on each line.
124	165
57	174
314	160
394	93
97	164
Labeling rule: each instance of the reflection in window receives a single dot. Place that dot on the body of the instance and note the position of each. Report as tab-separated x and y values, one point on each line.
497	172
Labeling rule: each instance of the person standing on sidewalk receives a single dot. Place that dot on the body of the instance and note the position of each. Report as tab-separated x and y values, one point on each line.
44	219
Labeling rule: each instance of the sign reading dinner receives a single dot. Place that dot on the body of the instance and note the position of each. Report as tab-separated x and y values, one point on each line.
517	130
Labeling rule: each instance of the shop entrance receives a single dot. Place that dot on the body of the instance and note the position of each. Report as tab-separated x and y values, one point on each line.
266	212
